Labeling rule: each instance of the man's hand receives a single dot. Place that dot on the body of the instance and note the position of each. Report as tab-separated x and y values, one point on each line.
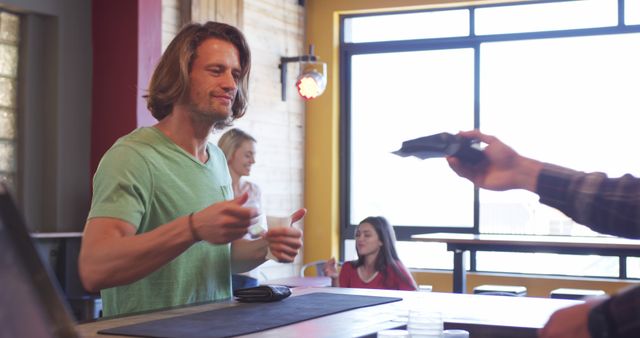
504	168
570	322
224	222
284	242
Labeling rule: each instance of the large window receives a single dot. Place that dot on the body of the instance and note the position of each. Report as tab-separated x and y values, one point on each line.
385	111
563	91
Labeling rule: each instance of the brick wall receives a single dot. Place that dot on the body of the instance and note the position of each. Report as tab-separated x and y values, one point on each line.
273	28
171	21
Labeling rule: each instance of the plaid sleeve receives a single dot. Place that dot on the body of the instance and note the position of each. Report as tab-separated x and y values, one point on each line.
621	315
606	205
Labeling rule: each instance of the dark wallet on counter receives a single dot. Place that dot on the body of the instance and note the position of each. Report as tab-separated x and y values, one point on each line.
262	293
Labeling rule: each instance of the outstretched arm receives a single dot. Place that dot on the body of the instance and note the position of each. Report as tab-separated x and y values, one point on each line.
112	254
606	205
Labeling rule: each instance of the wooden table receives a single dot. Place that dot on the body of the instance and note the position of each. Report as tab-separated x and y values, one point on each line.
482	316
298	281
461	243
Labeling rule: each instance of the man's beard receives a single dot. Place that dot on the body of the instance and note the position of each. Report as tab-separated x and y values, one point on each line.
208	115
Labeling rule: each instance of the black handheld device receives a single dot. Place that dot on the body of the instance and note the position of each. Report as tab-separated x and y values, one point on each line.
443	145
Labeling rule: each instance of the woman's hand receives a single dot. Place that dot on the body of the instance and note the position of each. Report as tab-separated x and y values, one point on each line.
330	269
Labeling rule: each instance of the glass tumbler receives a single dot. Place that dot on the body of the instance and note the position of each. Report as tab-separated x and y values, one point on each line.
425	324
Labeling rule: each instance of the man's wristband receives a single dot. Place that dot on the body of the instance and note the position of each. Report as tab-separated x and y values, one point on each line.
194	233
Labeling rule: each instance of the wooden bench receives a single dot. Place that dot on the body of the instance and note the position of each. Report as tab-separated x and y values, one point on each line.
500	290
568	293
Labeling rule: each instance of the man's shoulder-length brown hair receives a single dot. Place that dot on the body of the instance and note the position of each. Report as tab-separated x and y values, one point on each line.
170	81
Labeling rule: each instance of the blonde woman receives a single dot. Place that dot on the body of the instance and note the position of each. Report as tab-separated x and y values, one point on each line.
240	150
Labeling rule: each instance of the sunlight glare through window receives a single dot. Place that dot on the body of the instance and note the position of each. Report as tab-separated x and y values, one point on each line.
569	101
420	25
546	17
426	93
632	12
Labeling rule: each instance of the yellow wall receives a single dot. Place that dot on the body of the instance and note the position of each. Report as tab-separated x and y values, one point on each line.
321	192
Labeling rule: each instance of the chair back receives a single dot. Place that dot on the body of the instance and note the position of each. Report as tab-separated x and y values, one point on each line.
318	265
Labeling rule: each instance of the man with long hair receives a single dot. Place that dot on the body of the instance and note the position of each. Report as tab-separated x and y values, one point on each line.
164	228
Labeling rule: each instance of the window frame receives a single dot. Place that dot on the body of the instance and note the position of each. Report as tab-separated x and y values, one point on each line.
349	49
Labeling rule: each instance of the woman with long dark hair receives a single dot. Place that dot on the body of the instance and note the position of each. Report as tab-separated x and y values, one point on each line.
378	265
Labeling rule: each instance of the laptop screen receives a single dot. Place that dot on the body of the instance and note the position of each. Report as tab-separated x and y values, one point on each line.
30	302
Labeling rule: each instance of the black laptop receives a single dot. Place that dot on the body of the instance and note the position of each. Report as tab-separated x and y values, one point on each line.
30	299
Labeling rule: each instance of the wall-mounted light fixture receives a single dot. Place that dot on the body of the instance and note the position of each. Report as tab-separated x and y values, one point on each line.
312	79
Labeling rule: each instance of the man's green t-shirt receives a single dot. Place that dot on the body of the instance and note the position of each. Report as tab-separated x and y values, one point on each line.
147	180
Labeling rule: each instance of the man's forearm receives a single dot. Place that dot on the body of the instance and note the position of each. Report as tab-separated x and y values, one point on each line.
526	176
113	255
606	205
617	317
247	254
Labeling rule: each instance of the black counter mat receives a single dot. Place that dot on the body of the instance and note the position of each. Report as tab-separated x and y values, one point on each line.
249	317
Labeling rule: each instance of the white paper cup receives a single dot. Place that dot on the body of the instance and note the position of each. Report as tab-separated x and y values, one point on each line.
275	221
